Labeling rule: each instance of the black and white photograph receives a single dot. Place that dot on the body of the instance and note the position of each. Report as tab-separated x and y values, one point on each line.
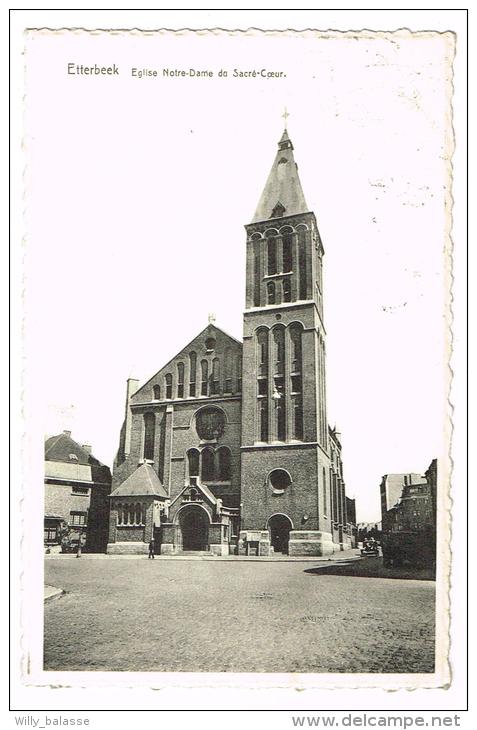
237	335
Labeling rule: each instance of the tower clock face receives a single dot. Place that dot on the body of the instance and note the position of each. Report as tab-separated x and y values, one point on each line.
210	424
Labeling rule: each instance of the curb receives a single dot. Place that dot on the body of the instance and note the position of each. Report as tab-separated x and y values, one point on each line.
335	558
51	593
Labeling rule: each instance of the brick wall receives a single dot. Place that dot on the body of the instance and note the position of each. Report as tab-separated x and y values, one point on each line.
130	534
60	500
175	430
303	497
126	533
314	390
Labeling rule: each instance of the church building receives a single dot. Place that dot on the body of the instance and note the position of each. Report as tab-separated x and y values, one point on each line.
227	448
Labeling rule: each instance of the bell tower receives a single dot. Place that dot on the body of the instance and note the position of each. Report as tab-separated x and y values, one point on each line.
285	455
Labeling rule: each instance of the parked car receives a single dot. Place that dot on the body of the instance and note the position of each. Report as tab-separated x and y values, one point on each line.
70	542
370	547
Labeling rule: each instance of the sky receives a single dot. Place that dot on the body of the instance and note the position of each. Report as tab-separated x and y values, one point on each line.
137	191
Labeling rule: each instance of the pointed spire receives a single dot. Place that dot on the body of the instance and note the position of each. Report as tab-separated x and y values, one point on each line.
282	194
285	142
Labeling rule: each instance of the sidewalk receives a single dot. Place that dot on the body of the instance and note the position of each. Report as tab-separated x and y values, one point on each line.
51	592
342	555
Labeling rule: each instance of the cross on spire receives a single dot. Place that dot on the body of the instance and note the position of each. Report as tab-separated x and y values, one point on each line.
285	116
211	317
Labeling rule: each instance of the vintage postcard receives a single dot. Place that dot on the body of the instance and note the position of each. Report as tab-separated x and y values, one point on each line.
238	273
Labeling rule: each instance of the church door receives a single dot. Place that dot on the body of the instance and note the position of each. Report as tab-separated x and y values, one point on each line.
279	527
194	528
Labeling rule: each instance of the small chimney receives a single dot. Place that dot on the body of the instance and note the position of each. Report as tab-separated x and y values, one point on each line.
87	448
67	433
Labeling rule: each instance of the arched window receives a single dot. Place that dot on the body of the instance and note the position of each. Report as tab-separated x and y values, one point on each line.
215	386
279	381
149	435
224	466
262	386
296	379
119	511
263	419
256	274
208	470
131	514
180	379
279	350
272	255
204	368
287	252
325	510
239	373
302	262
228	370
296	348
125	514
262	362
193	374
281	421
193	457
168	386
298	418
286	290
270	293
138	514
262	352
157	392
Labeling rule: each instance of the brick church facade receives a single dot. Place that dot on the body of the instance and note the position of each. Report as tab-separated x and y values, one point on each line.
227	448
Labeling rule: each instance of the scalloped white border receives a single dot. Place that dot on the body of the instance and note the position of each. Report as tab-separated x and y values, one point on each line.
392	682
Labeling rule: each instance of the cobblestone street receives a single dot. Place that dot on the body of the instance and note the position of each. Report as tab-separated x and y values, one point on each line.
144	615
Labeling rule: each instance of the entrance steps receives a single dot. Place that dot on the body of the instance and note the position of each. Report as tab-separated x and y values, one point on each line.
193	552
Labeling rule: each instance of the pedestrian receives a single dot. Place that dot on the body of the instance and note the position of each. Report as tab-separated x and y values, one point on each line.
151	549
81	543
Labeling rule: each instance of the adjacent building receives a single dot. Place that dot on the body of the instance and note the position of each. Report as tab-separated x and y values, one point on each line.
77	488
351	528
343	509
409	525
227	447
391	489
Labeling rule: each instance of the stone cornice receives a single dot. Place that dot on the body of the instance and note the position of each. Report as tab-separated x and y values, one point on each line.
278	223
206	400
291	445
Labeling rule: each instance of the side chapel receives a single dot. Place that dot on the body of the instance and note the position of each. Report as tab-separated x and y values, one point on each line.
227	448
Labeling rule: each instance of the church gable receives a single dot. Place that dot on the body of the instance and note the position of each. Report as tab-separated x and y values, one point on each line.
209	366
195	493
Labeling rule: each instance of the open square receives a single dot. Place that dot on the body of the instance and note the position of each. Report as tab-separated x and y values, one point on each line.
134	614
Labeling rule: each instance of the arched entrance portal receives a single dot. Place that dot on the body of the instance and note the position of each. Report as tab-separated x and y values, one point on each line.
279	527
194	528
